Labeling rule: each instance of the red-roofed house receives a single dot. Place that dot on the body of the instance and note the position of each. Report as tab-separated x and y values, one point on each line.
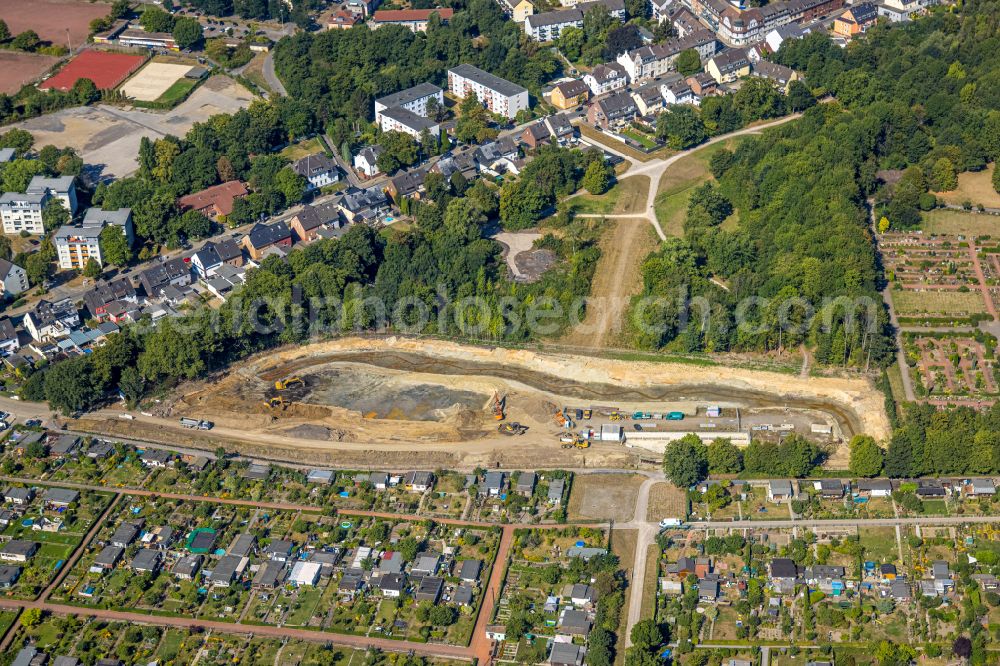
414	19
214	201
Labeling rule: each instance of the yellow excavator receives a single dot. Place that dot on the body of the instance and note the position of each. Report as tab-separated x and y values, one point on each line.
512	428
275	403
577	442
288	382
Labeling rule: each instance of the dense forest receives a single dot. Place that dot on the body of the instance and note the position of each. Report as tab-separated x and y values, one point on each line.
339	73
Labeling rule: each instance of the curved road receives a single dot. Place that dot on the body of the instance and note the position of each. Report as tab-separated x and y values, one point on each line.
273	82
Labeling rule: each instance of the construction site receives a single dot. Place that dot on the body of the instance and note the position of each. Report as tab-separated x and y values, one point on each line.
462	406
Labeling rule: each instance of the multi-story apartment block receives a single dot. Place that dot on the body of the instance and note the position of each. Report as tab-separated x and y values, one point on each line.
23	212
78	243
498	95
413	99
649	62
62	188
547	26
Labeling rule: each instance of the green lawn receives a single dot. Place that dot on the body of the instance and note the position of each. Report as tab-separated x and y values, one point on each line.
177	92
948	221
639	138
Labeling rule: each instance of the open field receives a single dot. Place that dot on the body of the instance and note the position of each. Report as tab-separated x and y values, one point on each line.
150	82
677	184
107	138
910	303
302	148
666	501
604	139
53	20
104	68
604	496
976	187
959	222
17	69
627	196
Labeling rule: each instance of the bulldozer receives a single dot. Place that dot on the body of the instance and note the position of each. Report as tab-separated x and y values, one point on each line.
498	406
512	428
288	382
576	442
275	403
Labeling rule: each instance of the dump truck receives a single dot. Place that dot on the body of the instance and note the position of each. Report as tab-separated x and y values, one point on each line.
198	424
288	382
675	416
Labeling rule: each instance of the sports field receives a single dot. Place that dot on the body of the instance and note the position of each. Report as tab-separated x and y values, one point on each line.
105	69
150	82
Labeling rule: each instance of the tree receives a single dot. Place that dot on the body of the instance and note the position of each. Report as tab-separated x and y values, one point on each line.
187	32
4	31
685	461
943	177
681	127
473	124
571	41
132	384
114	246
962	647
17	174
996	179
120	9
398	150
597	178
647	635
38	267
85	91
92	269
688	62
800	97
291	185
31	617
867	456
26	41
622	39
724	457
154	19
883	225
54	215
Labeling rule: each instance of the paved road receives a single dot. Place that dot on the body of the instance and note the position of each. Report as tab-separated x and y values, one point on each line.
481	646
647	532
273	82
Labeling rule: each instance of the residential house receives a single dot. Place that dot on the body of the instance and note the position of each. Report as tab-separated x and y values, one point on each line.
9	576
777	36
429	589
9	340
702	84
320	476
887	571
426	565
566	654
419	481
243	545
606	78
469	570
525	483
556	488
781	75
407	184
900	590
22	212
855	20
13	277
279	550
340	20
582	595
567	94
306	224
547	26
829	488
366	161
779	490
415	20
676	90
108	558
269	575
104	294
729	65
51	320
187	566
29	655
392	585
60	497
493	483
18	550
156	458
573	622
366	205
903	10
648	99
318	170
560	128
827	578
62	188
264	236
350	584
125	535
874	488
305	573
612	112
391	562
228	569
171	273
19	496
463	595
931	489
980	488
941	575
498	95
783	573
517	10
215	254
214	201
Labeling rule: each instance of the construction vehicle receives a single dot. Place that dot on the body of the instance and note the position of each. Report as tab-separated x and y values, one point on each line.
577	442
498	406
512	428
288	382
274	403
587	414
616	416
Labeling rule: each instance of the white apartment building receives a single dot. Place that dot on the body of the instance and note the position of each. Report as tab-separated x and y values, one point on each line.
649	62
77	244
23	212
547	26
61	187
412	99
13	278
399	119
498	95
606	78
